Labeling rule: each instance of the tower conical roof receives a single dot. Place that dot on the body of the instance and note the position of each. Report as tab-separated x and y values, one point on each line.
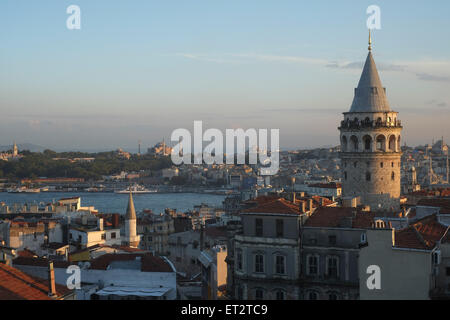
370	96
131	212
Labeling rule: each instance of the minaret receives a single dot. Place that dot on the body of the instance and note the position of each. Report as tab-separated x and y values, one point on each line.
447	169
131	237
371	144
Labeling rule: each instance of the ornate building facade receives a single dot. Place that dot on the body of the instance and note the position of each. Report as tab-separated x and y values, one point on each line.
370	137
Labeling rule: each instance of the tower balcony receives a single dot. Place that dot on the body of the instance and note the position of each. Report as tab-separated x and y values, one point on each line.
367	124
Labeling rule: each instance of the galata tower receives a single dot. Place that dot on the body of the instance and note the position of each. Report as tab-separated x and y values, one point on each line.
370	144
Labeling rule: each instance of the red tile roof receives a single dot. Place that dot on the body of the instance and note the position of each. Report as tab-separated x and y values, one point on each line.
149	263
333	217
423	234
17	285
409	238
444	204
277	206
38	262
26	253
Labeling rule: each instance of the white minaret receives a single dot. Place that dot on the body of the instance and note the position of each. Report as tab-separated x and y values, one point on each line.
131	237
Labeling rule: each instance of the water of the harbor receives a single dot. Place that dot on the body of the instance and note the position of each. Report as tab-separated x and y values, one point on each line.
117	203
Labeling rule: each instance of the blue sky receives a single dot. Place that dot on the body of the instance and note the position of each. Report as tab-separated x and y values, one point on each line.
137	70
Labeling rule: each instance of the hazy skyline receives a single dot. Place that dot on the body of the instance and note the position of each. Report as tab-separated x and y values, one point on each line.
138	70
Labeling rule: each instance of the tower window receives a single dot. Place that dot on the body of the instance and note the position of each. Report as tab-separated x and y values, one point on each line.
393	176
368	176
355	164
354	143
381	164
367	143
392	164
381	143
345	175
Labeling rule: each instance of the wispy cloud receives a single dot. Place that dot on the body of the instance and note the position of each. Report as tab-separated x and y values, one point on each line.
430	70
437	103
431	77
360	64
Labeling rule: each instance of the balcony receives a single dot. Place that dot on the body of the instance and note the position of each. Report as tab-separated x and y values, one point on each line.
366	124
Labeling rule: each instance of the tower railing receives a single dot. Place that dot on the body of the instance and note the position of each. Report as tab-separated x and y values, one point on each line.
356	124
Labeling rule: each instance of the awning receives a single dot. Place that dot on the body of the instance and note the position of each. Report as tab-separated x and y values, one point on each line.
133	291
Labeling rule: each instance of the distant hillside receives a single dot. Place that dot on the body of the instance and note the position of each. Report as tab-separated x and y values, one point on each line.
24	146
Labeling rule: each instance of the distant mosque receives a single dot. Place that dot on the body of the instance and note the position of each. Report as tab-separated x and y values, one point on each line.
11	155
160	149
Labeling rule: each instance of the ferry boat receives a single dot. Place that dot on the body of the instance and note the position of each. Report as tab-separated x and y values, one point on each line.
23	190
136	189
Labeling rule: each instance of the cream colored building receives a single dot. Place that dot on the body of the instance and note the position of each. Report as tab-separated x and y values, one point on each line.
410	262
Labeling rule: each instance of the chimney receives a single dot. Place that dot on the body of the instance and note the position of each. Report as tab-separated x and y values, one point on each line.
51	280
310	205
322	201
202	236
303	207
115	220
100	224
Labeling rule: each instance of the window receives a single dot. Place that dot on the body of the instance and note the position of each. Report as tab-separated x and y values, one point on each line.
367	143
363	238
437	257
380	224
354	143
240	293
259	294
332	240
258	227
345	175
104	236
381	165
332	296
447	271
280	264
239	259
312	267
368	176
313	295
279	228
381	143
332	266
393	176
279	295
259	263
113	235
